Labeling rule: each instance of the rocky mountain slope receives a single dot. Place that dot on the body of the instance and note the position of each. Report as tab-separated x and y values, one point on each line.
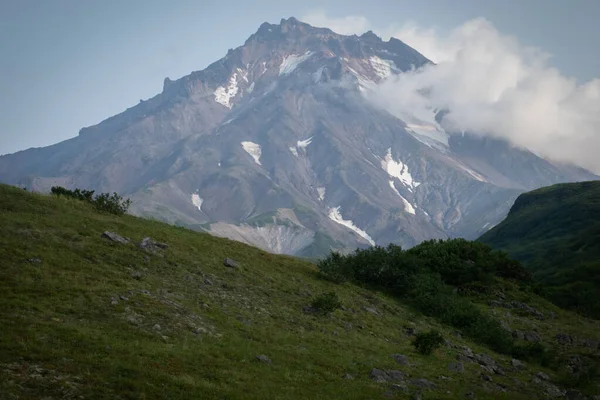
555	232
95	315
278	145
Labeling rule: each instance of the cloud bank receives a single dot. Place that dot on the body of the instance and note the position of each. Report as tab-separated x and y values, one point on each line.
493	86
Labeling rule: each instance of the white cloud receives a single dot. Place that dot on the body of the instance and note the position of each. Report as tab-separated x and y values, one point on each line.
495	86
348	25
492	85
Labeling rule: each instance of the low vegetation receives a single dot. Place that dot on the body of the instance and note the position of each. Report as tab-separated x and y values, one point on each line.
555	233
105	202
326	303
438	278
104	306
427	342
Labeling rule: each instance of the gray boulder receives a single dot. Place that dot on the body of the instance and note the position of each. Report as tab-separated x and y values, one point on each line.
113	237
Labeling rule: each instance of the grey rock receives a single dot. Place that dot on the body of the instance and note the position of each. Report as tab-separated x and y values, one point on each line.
486	360
395	375
123	298
152	246
456	366
542	376
371	310
471	395
463	359
467	351
486	377
518	365
401	359
348	377
263	359
115	238
565	339
114	302
531	337
208	282
379	376
348	325
423	383
228	262
156	327
552	390
575	395
35	260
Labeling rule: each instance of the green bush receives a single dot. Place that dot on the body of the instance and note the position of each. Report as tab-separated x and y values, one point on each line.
105	202
326	303
333	269
426	343
426	276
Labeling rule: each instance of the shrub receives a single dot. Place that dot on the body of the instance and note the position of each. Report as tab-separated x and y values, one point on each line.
113	204
326	303
426	343
333	269
103	202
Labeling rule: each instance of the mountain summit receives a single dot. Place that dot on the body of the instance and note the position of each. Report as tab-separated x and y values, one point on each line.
278	145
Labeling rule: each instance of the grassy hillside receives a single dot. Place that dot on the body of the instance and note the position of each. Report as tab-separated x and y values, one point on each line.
83	316
555	232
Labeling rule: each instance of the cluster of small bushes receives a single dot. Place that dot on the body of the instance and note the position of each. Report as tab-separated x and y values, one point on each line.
105	202
437	277
326	303
427	342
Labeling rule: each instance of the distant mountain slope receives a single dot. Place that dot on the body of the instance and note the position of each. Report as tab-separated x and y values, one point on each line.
555	231
278	145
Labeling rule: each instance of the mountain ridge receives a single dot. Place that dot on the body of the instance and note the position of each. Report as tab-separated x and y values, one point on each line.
284	122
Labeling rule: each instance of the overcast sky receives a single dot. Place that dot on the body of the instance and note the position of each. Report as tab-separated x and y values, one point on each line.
66	64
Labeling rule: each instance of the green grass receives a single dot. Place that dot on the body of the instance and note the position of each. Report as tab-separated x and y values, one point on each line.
555	232
61	336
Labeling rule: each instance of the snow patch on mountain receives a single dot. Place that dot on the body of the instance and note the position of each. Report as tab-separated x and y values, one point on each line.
407	206
223	95
254	150
321	193
397	169
251	88
383	68
303	144
364	83
336	216
243	74
294	150
291	62
197	201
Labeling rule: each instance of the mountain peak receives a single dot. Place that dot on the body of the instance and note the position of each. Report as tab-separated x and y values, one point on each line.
370	35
